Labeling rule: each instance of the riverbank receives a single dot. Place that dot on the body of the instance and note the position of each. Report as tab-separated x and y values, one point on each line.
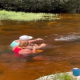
22	16
60	76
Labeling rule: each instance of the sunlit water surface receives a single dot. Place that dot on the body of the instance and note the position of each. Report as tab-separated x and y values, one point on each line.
61	54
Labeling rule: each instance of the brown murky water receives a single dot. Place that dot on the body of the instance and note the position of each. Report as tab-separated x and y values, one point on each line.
61	55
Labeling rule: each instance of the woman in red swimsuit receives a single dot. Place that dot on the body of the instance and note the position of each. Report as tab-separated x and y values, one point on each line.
24	49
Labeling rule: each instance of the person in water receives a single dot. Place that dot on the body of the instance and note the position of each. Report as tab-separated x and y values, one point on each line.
25	48
26	37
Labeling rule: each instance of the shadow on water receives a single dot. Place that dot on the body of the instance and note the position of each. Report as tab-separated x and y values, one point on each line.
61	54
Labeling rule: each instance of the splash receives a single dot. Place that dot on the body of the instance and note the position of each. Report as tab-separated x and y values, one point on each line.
68	38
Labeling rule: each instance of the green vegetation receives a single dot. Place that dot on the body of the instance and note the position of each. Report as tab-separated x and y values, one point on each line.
54	6
59	76
63	76
22	16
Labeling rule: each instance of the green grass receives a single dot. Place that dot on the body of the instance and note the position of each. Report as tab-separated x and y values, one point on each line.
22	16
63	76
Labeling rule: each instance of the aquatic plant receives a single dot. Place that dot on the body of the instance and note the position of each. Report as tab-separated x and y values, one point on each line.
22	16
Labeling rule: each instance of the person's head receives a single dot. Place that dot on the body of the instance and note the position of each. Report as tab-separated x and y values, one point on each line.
23	44
25	38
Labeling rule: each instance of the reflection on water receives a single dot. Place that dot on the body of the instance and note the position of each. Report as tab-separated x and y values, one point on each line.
61	54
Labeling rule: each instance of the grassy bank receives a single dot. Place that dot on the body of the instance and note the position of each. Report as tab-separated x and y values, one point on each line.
22	16
59	76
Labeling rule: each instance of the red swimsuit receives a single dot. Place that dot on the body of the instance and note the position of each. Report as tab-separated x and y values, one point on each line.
16	52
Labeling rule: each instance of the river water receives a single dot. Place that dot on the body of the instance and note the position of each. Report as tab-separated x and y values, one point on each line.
61	54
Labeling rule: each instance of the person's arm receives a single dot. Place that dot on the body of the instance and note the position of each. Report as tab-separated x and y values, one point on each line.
28	50
38	39
25	51
34	50
41	46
